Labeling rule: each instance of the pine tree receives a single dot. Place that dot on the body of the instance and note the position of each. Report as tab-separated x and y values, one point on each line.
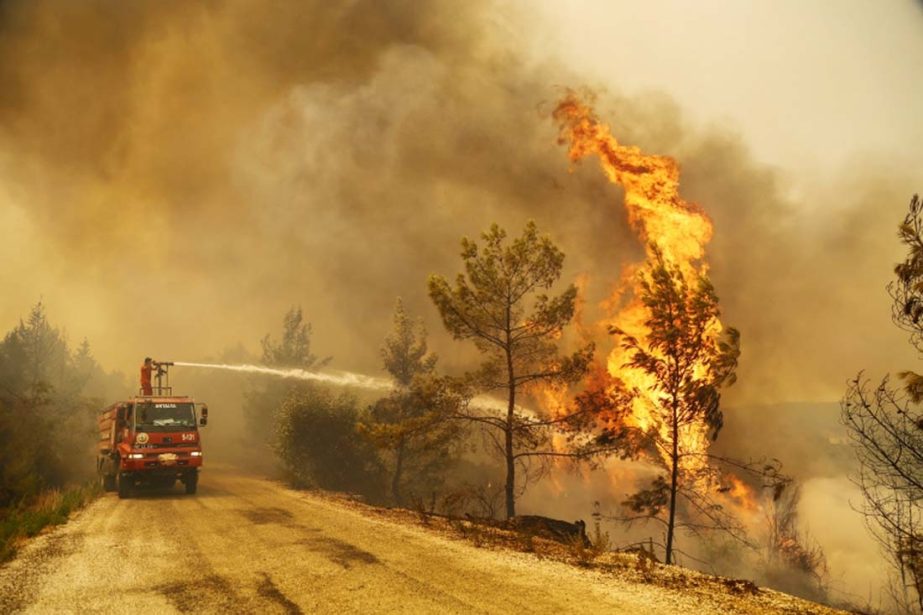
264	399
688	363
414	424
501	305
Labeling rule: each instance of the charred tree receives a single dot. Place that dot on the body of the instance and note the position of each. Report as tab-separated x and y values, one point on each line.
885	424
886	429
795	562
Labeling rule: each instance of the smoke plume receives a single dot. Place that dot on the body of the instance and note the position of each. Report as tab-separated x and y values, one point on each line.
193	169
175	175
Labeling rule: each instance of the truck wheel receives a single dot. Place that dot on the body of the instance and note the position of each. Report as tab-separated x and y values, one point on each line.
107	482
192	482
123	485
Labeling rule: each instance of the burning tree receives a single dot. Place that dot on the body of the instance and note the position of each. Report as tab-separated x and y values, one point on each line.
674	354
499	303
886	428
414	423
684	360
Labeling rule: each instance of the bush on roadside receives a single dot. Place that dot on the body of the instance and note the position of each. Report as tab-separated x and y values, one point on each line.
49	395
319	445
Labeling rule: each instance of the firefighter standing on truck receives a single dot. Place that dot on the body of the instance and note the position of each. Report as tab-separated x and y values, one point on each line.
146	369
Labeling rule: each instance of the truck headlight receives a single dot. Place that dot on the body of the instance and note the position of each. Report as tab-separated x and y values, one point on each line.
136	456
196	453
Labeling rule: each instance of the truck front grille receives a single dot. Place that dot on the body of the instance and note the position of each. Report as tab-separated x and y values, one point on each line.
156	464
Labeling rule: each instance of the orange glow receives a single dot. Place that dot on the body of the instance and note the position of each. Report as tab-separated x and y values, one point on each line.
741	493
655	209
661	218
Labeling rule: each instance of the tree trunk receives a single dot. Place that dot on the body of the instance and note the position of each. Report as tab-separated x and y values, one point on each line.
510	461
674	479
398	468
510	416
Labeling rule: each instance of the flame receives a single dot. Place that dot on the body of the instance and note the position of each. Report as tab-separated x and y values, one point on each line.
741	494
680	229
662	219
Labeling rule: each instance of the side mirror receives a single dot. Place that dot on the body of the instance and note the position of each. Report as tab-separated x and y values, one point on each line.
204	420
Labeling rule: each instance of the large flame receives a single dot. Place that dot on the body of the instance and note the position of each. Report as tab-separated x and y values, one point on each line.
663	220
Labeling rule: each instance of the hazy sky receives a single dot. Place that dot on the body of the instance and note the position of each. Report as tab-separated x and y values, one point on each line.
814	83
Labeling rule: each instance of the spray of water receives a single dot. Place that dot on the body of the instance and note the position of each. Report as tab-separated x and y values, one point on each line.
339	378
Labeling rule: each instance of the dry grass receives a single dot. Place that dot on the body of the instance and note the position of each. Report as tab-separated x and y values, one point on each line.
49	508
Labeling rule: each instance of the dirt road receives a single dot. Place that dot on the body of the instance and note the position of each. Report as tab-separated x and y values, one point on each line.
246	545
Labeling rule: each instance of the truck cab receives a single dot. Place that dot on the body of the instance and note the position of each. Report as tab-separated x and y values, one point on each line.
150	440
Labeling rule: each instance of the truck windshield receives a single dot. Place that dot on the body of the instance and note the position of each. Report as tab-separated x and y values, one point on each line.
164	416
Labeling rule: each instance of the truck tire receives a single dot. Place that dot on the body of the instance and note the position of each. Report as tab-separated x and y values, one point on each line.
192	482
107	482
123	486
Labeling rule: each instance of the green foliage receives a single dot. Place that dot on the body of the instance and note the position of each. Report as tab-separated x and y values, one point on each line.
319	445
405	352
265	397
47	419
413	426
294	348
491	306
501	305
416	427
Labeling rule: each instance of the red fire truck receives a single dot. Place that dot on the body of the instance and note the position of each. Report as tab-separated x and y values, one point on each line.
151	440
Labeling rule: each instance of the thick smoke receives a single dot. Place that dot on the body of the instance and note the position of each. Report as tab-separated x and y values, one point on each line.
184	171
175	175
195	169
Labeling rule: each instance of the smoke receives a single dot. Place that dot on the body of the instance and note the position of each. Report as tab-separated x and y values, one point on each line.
175	175
181	171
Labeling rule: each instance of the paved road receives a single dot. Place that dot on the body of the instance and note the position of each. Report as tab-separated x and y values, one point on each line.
246	545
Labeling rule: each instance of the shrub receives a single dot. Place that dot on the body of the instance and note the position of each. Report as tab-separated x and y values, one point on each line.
319	446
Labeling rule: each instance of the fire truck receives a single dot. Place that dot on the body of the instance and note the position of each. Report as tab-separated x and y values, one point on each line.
151	440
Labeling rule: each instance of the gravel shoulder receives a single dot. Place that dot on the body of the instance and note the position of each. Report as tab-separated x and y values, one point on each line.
246	545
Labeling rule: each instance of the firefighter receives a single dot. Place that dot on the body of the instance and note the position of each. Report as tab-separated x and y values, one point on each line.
146	369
